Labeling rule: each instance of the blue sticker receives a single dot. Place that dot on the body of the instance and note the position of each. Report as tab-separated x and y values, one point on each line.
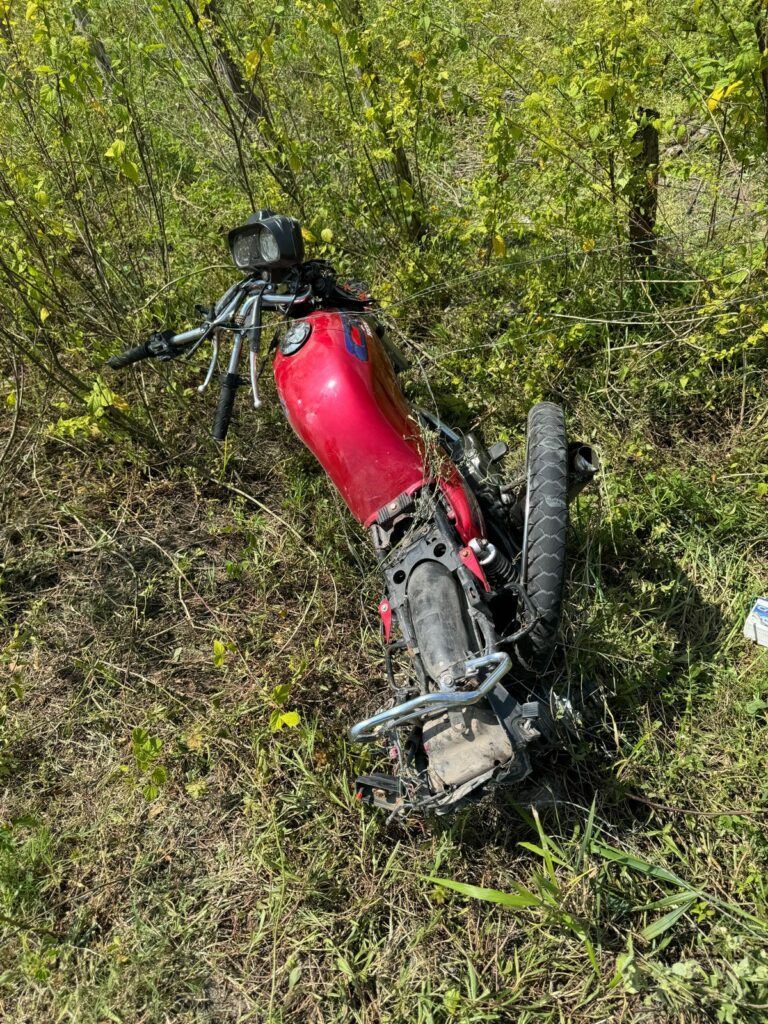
354	338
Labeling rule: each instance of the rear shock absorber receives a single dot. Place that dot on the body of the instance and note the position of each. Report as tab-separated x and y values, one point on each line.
496	566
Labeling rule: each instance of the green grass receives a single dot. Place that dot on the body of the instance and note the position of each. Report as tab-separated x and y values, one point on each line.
252	887
168	855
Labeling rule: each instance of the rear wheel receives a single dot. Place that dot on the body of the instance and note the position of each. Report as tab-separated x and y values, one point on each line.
546	522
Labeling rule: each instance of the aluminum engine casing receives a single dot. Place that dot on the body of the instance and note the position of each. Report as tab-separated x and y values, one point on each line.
463	745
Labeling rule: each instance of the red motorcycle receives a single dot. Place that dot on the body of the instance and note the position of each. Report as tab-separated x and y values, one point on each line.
473	563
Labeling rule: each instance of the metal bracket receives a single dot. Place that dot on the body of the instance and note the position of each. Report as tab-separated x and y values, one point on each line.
434	703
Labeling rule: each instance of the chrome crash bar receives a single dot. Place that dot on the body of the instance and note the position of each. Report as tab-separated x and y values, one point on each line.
433	703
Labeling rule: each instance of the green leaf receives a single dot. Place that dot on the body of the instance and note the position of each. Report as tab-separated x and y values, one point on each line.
281	693
545	854
452	1001
586	839
116	150
628	973
344	967
591	953
673	900
686	969
279	719
603	87
139	737
294	977
129	169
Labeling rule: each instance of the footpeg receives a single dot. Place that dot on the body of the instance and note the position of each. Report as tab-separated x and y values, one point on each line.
497	451
379	790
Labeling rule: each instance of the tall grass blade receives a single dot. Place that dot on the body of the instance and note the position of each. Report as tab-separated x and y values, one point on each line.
663	924
476	892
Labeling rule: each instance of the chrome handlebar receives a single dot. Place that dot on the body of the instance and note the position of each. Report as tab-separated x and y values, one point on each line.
238	310
224	319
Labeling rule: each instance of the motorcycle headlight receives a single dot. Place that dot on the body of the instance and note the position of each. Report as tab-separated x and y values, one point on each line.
266	240
245	250
269	247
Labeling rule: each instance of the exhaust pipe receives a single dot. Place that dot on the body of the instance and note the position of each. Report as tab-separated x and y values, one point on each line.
583	466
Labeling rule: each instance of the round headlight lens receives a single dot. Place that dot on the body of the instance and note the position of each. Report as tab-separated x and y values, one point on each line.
269	247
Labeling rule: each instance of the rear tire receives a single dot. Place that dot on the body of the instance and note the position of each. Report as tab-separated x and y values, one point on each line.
546	522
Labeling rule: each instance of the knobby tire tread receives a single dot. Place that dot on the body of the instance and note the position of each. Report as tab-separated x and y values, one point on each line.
547	482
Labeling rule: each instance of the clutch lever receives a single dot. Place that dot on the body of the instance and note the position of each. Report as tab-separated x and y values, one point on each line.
212	365
254	373
253	334
225	310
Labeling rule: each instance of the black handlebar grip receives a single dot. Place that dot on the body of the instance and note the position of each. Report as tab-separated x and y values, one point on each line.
230	382
133	355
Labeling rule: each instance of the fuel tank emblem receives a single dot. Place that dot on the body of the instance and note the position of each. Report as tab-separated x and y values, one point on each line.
354	338
295	337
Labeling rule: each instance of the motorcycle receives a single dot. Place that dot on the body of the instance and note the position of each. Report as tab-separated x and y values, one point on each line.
473	562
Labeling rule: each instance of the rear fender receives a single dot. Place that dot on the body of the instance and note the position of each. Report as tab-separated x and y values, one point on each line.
439	621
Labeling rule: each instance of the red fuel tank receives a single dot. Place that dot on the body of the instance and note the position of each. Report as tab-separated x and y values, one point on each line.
341	396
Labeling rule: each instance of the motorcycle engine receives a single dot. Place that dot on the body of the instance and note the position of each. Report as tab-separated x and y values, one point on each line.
463	746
